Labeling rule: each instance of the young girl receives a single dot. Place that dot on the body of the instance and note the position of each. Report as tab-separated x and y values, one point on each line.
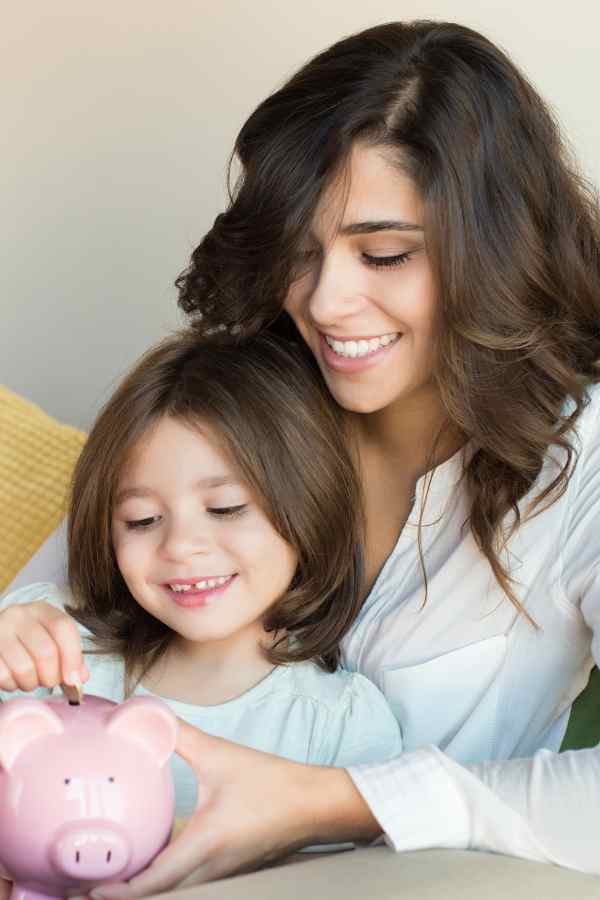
214	560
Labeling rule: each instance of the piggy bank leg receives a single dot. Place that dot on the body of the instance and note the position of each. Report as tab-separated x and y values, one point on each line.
22	893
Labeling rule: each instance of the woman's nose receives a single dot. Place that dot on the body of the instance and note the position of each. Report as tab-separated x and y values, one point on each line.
335	292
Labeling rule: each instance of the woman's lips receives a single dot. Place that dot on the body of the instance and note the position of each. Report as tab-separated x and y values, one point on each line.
351	364
195	597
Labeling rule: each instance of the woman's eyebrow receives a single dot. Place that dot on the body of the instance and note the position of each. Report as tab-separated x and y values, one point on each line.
383	225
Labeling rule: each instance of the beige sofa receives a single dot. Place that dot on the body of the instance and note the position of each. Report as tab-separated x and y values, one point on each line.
36	458
379	874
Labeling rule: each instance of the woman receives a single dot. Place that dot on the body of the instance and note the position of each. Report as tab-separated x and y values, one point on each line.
407	203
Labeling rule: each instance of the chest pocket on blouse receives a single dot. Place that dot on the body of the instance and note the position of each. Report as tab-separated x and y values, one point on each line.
453	697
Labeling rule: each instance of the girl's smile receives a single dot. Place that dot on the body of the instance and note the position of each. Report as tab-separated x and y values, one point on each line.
194	547
198	591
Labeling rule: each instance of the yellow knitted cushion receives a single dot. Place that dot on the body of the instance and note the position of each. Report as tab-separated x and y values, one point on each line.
37	456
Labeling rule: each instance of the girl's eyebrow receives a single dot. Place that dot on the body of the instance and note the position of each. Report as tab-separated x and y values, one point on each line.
382	225
141	491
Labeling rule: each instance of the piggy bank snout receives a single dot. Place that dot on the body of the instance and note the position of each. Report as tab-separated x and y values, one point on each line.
91	851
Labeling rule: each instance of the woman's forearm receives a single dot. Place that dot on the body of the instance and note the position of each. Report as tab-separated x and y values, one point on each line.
332	808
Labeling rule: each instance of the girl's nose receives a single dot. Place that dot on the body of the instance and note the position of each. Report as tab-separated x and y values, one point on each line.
183	541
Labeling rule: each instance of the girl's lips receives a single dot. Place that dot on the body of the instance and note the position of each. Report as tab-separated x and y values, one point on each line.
194	598
351	364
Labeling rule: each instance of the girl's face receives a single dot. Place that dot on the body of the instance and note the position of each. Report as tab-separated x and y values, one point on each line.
194	547
365	302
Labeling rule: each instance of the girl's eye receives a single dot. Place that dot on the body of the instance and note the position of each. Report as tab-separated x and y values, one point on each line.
142	523
386	262
227	511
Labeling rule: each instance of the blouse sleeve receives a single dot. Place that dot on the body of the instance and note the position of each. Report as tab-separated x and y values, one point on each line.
544	808
41	590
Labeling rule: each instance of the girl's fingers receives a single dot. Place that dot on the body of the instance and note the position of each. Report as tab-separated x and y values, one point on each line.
20	664
45	653
7	683
40	646
63	632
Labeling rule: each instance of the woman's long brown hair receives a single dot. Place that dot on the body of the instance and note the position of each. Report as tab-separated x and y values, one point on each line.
512	233
281	430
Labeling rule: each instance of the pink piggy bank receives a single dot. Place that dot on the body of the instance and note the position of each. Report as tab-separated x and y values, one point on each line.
86	793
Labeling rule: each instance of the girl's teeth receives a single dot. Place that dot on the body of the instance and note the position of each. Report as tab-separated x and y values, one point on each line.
362	347
204	585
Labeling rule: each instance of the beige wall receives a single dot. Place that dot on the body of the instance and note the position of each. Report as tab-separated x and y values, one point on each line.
117	120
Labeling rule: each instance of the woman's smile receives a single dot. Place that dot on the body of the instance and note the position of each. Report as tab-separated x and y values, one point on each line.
356	354
365	302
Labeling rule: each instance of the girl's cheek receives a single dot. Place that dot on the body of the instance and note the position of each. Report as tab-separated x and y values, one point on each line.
127	554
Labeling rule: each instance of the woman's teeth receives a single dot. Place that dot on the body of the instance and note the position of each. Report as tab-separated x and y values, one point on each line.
201	585
362	347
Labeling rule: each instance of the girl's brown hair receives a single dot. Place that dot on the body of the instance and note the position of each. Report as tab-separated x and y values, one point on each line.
512	233
277	423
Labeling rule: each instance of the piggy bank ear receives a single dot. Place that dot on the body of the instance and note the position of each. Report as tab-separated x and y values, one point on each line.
148	723
22	722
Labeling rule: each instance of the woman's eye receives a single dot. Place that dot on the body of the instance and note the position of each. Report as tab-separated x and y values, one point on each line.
386	262
142	523
227	511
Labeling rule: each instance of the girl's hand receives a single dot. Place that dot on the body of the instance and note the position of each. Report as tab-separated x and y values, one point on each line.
5	888
252	809
40	646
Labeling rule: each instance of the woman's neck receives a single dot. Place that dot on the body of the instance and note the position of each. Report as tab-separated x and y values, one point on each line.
211	672
414	433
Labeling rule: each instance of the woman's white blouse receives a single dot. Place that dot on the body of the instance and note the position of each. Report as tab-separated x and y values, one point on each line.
464	672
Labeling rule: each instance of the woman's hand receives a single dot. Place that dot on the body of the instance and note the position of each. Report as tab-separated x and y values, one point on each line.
40	646
5	888
252	809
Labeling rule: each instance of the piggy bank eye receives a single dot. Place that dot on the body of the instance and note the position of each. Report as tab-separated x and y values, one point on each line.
67	781
111	779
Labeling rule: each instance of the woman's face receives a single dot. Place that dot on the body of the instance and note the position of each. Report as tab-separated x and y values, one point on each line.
364	301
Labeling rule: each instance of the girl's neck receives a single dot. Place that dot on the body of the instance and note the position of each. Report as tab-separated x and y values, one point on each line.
212	672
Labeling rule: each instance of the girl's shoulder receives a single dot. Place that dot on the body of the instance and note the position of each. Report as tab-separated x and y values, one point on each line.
356	723
338	692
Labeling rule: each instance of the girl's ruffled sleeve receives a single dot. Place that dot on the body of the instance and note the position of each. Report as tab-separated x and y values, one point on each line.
363	728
